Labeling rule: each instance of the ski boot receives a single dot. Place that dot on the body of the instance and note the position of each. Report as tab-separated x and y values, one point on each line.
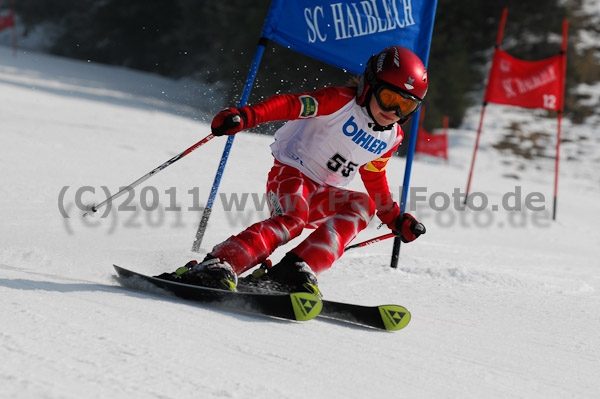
176	275
291	274
210	273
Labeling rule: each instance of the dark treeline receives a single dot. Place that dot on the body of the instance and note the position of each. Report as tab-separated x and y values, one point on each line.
215	41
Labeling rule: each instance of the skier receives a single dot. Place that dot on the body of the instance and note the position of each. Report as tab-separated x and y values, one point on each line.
331	134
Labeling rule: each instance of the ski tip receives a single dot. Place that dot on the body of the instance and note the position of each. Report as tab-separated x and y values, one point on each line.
119	269
394	317
306	306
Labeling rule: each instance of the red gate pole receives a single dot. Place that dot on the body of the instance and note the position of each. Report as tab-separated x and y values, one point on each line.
490	77
14	28
563	61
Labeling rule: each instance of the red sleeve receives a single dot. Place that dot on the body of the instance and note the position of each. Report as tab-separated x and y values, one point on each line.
295	106
375	180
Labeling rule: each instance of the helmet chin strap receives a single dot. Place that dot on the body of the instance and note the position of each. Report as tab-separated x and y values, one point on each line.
377	127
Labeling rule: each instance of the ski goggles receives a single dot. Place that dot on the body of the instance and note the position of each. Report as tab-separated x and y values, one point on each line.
390	100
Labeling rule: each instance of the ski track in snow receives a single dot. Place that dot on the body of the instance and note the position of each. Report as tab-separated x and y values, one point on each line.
497	311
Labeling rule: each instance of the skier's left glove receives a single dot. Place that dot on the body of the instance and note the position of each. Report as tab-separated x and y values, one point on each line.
402	224
229	122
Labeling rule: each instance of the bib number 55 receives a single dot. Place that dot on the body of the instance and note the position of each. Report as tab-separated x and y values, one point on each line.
338	163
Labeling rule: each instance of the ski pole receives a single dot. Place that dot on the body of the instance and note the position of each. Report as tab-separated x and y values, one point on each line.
371	241
94	208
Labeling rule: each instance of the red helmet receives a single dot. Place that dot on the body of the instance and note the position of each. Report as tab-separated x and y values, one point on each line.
396	68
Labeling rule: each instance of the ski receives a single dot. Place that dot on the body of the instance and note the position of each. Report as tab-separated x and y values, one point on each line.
300	306
383	317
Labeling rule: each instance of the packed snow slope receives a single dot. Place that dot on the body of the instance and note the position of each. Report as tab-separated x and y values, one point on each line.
505	303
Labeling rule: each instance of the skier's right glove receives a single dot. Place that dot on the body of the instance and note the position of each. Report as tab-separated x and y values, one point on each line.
402	224
229	122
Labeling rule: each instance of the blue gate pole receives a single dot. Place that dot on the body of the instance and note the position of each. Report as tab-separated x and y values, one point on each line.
412	142
260	49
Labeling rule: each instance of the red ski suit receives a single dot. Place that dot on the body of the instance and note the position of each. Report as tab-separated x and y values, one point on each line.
328	139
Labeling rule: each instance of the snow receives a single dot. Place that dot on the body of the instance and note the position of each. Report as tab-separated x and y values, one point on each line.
504	304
